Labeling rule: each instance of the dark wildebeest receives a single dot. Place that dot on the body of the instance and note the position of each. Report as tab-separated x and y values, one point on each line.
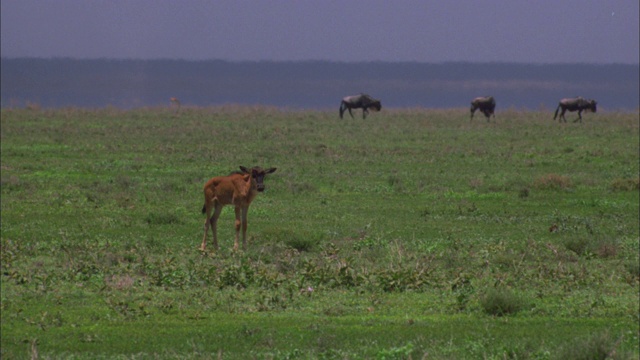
574	104
486	105
362	101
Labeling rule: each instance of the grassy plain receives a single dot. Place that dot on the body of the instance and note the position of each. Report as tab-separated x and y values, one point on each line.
412	234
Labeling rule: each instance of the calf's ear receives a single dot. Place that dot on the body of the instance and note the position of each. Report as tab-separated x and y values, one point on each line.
270	171
244	169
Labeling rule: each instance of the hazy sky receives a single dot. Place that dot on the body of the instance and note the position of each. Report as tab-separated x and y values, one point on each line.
529	31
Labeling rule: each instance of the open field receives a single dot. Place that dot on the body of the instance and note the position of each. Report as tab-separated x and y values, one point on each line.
412	234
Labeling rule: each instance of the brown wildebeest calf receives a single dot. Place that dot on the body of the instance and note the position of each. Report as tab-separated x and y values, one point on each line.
237	189
175	101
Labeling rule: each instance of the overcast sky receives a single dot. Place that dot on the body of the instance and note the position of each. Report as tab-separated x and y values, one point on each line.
529	31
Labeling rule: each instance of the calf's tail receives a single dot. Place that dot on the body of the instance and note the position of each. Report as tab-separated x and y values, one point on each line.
342	107
204	208
556	114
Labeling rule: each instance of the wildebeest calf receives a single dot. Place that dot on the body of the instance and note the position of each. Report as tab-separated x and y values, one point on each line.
237	189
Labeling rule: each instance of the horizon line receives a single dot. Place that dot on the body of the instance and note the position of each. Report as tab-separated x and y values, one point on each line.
302	61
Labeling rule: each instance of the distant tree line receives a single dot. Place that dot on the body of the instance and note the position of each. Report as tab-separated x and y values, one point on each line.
309	84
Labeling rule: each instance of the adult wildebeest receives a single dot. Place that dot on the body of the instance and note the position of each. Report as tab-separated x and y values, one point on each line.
486	105
237	189
575	104
362	101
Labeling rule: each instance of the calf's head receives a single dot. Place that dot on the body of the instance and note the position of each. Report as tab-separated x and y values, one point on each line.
258	174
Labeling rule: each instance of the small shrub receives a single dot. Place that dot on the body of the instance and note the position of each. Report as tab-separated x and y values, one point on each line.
603	248
300	243
395	182
162	219
598	346
119	282
606	249
633	267
476	183
552	182
463	290
500	302
579	246
625	184
10	183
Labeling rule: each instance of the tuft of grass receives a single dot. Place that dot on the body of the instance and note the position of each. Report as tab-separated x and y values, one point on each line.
395	183
589	246
10	183
166	218
501	302
580	246
300	243
552	182
625	184
606	248
633	267
597	346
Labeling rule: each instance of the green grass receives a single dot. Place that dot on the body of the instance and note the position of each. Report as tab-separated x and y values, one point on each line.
412	233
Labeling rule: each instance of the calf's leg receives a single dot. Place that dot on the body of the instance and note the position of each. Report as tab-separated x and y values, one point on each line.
245	224
237	227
